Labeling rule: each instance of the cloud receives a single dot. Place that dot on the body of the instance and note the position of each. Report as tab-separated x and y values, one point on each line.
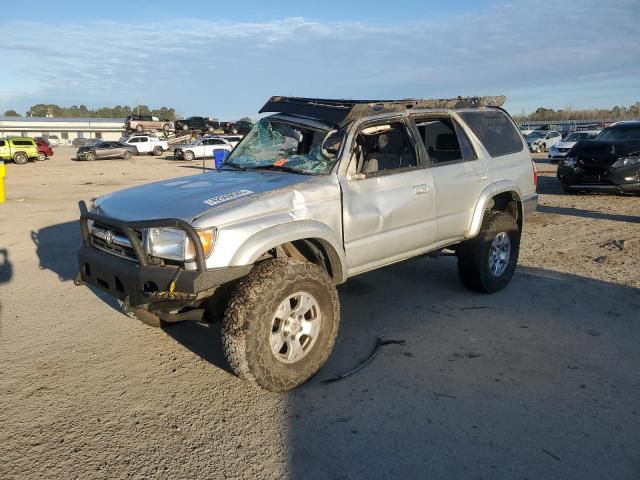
584	51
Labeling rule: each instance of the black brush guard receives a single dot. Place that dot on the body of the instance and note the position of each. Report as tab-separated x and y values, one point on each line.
142	283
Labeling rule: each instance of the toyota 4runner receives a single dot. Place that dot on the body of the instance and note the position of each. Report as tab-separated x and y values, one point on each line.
317	192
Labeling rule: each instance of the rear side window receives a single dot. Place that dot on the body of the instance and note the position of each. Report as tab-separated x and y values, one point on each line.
23	143
496	132
2	143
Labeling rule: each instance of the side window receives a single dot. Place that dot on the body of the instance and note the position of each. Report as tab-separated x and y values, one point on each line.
496	132
444	140
385	147
143	139
98	134
64	135
2	143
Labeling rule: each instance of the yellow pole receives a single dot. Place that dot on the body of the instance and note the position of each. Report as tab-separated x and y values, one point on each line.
3	172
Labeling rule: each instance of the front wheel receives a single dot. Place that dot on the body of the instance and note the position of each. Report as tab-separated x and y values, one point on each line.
487	263
41	157
127	155
90	157
281	323
188	156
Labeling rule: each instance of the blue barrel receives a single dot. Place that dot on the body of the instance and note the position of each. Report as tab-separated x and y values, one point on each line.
219	156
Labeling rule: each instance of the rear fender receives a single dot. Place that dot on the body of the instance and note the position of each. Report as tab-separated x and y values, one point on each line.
484	202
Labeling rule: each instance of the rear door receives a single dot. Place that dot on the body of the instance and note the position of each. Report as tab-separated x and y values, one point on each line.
388	198
459	173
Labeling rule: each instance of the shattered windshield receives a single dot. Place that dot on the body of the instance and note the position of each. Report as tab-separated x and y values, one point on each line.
277	145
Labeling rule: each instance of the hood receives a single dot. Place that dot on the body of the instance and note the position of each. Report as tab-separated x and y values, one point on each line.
598	155
190	197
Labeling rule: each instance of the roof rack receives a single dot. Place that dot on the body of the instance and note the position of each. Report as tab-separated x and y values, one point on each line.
341	112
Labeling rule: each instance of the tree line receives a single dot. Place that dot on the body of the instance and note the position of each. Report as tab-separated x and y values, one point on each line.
631	112
82	111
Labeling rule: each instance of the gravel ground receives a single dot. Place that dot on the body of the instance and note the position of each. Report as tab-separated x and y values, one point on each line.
538	381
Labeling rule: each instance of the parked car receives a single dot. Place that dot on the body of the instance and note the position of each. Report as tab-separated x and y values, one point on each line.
147	144
102	150
541	140
560	149
202	148
608	163
309	198
18	149
147	123
53	140
242	127
44	150
197	124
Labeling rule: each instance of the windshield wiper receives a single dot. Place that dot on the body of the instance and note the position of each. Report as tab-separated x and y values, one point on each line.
234	165
280	168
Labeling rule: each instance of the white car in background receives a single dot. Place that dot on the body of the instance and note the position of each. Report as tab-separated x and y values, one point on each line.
541	140
560	149
146	144
232	139
202	148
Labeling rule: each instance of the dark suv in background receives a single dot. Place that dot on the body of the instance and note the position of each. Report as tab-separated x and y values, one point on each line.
608	163
198	124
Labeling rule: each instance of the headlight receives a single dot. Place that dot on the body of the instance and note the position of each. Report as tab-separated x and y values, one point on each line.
569	161
626	162
173	243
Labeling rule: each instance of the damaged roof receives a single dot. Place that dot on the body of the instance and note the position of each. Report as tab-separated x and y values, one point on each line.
342	112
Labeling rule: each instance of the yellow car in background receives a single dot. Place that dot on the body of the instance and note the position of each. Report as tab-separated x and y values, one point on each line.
18	149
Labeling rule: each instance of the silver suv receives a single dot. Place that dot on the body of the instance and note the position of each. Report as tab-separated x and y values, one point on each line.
317	192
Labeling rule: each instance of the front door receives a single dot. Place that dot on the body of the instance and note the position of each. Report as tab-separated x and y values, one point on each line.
388	199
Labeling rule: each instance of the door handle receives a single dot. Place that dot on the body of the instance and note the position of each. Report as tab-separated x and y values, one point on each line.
420	189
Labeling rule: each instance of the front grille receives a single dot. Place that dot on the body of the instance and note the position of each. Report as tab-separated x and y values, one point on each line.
112	240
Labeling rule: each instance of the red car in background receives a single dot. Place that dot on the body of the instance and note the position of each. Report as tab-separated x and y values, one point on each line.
44	149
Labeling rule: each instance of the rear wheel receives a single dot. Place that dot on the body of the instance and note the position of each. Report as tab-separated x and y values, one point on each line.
188	155
41	157
487	263
127	155
139	128
20	158
165	129
543	147
157	151
90	157
281	323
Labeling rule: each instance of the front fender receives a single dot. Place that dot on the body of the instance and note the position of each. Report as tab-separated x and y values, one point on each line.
485	197
271	237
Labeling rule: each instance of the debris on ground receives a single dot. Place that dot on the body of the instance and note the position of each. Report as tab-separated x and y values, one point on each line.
619	244
376	349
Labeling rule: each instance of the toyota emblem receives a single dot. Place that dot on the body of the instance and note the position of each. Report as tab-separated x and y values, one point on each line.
108	237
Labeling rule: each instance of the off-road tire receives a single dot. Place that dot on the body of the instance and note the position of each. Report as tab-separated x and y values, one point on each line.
157	151
543	147
247	324
473	254
188	156
20	158
41	157
90	157
127	155
139	128
185	128
165	129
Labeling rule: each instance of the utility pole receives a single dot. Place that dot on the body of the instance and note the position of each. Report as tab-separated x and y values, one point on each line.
138	104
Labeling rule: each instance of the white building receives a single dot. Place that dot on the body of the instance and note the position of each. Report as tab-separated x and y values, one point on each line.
65	129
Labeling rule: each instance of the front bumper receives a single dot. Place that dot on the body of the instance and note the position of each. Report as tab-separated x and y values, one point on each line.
617	180
141	284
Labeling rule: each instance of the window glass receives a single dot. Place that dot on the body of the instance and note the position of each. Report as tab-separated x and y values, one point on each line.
496	132
2	143
441	140
65	135
98	134
468	153
23	143
384	147
143	139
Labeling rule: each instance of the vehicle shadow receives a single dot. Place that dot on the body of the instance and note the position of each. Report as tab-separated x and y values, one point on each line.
510	385
6	268
56	247
576	212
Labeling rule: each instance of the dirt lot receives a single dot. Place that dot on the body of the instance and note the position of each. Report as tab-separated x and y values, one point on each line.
538	381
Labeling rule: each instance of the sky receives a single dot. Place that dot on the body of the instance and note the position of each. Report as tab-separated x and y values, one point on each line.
226	59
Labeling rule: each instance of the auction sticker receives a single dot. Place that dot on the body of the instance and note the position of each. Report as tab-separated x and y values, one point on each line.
227	196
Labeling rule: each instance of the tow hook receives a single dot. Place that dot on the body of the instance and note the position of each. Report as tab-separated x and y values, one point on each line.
77	280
